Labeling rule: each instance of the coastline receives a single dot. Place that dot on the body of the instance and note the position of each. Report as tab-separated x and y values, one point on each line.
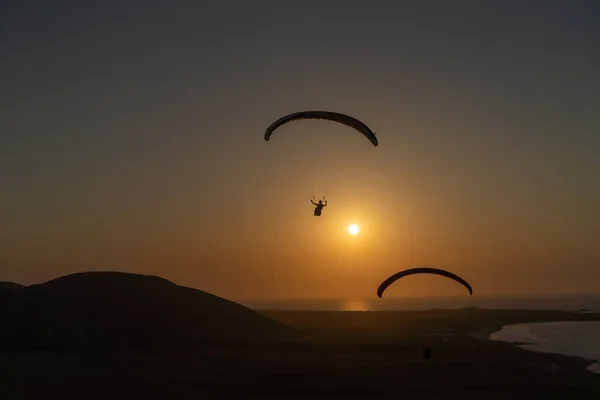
486	332
593	364
478	325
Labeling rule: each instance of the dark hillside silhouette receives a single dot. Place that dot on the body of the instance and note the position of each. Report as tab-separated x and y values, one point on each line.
10	285
114	308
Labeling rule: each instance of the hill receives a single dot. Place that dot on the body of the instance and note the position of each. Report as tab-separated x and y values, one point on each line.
130	310
10	285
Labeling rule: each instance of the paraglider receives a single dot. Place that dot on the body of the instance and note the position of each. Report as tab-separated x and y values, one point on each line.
318	206
412	271
324	115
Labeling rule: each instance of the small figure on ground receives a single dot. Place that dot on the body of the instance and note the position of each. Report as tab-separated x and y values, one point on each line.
427	353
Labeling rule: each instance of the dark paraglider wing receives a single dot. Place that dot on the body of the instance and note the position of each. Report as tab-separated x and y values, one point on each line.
324	115
413	271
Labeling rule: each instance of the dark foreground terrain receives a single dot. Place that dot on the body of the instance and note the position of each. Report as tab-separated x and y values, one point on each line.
111	335
340	355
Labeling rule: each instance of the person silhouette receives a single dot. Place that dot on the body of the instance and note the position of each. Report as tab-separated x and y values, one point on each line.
427	353
318	206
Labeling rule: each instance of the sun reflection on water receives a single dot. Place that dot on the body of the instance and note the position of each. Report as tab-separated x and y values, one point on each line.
355	305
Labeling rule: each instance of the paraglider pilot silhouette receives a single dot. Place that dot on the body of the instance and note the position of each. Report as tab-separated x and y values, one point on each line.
318	206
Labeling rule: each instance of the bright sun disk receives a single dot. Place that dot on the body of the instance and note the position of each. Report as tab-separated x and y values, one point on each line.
353	229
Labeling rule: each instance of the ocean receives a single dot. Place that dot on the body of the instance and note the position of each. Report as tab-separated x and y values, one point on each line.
579	339
569	303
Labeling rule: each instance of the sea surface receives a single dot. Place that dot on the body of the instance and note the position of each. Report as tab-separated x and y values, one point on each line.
579	339
569	303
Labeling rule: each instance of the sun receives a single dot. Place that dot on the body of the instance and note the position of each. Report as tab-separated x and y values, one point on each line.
353	229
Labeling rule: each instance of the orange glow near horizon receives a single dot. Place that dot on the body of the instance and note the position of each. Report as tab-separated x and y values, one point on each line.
161	168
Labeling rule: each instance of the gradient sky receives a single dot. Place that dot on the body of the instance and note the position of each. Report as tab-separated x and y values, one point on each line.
131	138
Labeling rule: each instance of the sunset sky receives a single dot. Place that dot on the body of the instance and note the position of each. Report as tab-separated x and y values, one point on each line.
131	139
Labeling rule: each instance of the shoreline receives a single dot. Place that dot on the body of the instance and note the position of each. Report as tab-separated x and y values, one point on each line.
485	333
485	323
593	364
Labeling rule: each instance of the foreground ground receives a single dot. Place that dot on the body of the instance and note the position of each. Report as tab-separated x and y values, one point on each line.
340	355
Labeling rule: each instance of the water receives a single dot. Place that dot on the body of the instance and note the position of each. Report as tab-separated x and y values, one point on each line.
568	303
580	339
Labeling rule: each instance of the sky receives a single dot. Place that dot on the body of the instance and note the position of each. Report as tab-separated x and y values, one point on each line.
131	139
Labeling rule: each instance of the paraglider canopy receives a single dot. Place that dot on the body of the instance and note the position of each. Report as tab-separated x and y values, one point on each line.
324	115
413	271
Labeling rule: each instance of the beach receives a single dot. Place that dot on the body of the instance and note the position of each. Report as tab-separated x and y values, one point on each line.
573	338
